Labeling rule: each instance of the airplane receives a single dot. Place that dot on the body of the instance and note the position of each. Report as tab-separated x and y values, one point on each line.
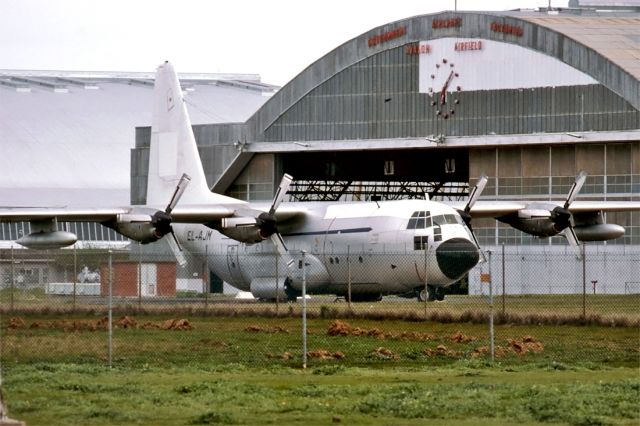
360	250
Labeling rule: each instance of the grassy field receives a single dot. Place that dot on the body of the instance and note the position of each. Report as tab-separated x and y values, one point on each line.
464	393
246	369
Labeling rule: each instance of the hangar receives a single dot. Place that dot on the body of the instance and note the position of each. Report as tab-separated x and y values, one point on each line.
429	103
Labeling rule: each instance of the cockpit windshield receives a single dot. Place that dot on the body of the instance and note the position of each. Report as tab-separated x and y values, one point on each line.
446	219
423	219
420	220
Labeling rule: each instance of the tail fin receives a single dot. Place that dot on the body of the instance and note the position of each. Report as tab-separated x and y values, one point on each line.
173	148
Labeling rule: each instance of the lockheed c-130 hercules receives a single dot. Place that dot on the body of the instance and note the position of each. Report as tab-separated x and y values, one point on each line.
434	240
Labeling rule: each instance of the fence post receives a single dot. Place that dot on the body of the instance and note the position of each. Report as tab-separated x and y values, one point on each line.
584	280
491	328
139	276
304	310
503	282
205	278
349	277
426	274
74	274
277	258
110	316
13	279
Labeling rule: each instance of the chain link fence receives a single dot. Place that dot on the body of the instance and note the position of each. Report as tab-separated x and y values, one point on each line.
125	306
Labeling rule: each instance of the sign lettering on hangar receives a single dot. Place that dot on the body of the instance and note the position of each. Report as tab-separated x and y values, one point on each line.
425	49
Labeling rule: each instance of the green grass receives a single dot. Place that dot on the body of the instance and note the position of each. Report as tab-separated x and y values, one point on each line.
247	370
468	393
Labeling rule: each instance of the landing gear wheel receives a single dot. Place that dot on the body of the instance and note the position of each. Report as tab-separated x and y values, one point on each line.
431	294
427	295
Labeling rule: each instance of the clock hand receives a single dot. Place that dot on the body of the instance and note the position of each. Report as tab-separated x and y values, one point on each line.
443	93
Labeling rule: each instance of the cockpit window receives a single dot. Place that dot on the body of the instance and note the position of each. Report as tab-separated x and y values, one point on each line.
419	220
444	219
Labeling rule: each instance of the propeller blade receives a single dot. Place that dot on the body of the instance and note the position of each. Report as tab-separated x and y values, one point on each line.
176	249
483	259
277	241
475	193
575	188
571	237
177	194
280	193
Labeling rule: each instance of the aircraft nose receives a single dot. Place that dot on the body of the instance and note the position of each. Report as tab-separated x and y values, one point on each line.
456	256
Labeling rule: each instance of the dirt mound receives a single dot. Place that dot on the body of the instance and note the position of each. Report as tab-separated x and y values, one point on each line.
285	356
459	337
259	329
176	324
343	328
324	354
100	324
384	354
126	322
16	323
526	345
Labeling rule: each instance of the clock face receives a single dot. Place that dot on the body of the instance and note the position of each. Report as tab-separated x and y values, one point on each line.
444	89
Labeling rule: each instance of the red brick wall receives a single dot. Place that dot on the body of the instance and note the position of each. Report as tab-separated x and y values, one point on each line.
166	279
125	279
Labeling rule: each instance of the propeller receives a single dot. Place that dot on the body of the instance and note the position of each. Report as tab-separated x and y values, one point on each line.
162	220
473	197
563	218
466	215
267	222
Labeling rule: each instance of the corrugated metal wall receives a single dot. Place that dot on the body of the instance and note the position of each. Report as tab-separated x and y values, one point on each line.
378	98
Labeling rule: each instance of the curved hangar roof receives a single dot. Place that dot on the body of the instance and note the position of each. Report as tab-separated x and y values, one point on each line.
505	50
82	124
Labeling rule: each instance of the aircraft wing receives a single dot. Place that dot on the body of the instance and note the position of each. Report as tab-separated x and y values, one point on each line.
487	209
181	214
491	208
64	214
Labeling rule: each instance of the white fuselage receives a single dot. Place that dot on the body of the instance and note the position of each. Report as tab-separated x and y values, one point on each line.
377	247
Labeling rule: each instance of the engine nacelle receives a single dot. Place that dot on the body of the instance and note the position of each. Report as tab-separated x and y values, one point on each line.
540	227
138	227
599	232
48	240
243	229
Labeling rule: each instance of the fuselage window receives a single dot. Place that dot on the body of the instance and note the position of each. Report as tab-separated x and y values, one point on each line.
420	241
437	233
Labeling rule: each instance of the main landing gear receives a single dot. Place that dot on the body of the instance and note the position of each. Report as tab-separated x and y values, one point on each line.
431	294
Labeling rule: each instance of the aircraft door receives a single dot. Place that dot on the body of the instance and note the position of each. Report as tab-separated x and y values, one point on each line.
234	265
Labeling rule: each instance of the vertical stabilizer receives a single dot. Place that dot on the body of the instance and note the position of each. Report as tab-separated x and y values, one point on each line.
173	149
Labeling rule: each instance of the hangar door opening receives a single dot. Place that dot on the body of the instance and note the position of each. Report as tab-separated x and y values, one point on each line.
443	173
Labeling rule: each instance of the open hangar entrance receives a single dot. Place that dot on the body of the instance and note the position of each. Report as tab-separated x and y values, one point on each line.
377	175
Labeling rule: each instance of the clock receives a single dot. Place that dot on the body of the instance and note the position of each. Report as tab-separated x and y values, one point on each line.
443	89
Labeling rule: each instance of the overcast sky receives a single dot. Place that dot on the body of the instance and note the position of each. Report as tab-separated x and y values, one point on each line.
276	39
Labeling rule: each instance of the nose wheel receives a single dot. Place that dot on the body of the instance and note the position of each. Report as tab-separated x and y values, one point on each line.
432	294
